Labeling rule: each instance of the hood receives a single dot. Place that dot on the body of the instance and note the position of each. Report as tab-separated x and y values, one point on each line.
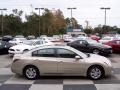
100	45
21	47
99	59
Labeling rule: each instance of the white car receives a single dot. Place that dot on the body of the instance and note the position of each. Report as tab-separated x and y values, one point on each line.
50	39
67	38
60	61
56	38
107	39
17	49
17	41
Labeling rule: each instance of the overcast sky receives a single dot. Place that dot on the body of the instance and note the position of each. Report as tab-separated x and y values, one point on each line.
86	9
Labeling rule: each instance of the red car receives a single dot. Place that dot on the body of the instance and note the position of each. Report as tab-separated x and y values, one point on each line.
94	37
115	44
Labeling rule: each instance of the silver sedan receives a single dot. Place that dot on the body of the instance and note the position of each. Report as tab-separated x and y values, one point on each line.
60	60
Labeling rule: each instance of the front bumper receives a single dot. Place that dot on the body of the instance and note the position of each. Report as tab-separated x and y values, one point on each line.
12	52
106	51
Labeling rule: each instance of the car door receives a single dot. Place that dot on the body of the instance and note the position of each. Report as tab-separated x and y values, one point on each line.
46	61
67	64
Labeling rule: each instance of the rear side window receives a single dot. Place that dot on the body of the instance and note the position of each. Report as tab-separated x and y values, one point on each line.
49	52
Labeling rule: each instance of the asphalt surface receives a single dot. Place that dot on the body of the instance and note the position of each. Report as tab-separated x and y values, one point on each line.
11	81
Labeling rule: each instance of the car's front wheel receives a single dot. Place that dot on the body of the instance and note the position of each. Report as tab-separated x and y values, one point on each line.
31	72
95	72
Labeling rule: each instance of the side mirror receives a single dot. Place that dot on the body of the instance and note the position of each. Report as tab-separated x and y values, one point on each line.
77	57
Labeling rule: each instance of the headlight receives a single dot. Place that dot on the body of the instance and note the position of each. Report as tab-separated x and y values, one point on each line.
108	63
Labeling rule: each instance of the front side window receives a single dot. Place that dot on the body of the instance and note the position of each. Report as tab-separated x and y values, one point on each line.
44	53
64	53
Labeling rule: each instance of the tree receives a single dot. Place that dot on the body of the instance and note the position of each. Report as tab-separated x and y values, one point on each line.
12	25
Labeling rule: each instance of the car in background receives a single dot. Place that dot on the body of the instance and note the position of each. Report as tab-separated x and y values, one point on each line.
30	44
81	37
115	44
7	38
56	38
67	38
49	39
4	46
117	36
91	46
60	60
30	37
107	39
94	37
17	41
19	36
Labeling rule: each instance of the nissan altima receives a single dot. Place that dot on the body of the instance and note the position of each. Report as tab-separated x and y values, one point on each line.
60	60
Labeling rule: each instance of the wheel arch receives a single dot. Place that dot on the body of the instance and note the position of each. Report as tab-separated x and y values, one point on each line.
94	65
30	65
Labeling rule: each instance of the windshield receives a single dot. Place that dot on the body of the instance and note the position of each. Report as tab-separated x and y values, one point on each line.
28	42
92	41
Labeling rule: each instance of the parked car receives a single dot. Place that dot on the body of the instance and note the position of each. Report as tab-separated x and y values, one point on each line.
107	39
31	37
17	49
115	44
7	38
56	38
60	61
19	36
4	46
91	46
50	39
67	38
94	37
17	41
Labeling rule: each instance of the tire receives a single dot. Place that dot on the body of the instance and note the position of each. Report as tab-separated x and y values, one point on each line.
95	72
96	51
31	72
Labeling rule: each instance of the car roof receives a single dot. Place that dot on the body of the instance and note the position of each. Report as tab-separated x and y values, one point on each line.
52	46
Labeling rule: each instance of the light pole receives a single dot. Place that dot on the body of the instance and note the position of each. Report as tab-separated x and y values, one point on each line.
39	18
71	9
3	9
103	8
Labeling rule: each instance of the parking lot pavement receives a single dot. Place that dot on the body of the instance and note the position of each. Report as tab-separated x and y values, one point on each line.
11	81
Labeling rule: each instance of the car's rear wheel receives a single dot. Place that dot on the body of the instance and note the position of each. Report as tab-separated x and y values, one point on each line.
96	51
31	72
95	72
